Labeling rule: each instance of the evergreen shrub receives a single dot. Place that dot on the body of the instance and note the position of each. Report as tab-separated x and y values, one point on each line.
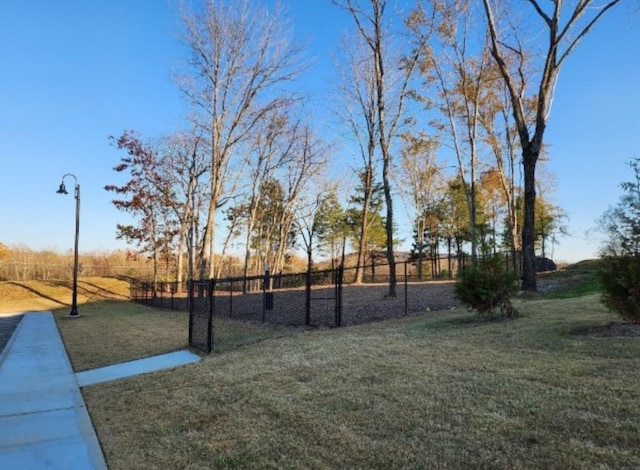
487	286
619	278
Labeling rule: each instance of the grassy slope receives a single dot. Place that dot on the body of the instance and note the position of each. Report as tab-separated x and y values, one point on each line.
22	296
573	281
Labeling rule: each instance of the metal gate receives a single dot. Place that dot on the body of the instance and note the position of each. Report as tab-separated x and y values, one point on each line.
324	300
302	299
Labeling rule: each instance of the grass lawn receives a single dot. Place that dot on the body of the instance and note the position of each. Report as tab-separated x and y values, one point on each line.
442	390
439	391
109	332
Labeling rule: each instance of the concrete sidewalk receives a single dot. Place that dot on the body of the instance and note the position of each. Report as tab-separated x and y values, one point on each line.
137	367
44	423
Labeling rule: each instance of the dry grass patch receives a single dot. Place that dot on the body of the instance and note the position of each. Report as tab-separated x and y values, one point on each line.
436	391
20	296
110	332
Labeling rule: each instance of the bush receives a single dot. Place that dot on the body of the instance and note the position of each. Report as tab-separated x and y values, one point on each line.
488	285
619	270
619	278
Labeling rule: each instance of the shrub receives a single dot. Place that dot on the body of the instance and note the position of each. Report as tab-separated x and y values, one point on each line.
619	278
486	286
619	270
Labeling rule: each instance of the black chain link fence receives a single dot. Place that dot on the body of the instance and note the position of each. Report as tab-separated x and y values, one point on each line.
242	310
164	295
225	313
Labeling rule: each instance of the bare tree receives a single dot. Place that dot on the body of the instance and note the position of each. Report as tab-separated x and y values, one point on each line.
272	150
307	162
322	219
5	254
392	74
565	26
424	184
358	90
186	167
500	135
457	66
240	57
310	221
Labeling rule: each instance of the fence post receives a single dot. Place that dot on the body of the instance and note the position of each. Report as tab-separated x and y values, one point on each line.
231	298
210	319
406	288
190	302
307	300
265	283
338	288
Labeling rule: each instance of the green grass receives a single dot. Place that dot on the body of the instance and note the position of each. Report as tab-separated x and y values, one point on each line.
442	390
573	281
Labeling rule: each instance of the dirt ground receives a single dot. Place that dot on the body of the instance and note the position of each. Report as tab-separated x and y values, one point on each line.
360	304
366	303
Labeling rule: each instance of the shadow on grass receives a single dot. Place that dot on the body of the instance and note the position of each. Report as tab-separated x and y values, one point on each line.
40	294
124	277
610	330
88	289
462	319
101	291
476	320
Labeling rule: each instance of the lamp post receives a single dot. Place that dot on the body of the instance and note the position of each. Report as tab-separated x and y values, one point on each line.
63	190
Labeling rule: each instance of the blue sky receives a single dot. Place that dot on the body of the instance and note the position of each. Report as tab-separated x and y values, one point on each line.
74	72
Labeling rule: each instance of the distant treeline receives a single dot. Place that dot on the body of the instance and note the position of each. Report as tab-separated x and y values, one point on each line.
20	263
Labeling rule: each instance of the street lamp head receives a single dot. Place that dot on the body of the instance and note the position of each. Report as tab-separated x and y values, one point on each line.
62	189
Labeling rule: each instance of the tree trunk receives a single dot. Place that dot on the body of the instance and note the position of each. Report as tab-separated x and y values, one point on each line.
368	189
529	281
389	229
182	240
204	255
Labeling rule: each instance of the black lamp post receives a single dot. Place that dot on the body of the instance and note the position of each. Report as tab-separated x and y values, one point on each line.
63	190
